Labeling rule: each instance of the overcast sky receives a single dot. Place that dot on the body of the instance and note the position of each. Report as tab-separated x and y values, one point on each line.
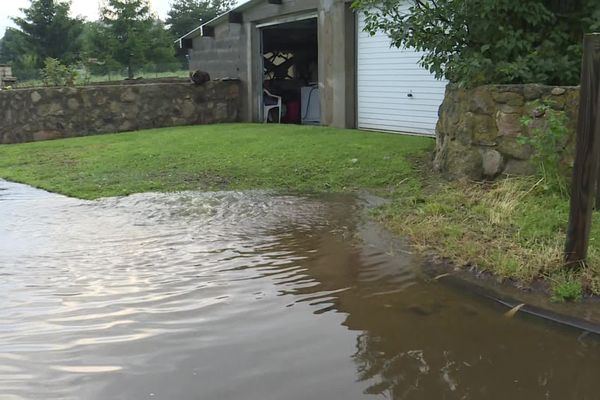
85	8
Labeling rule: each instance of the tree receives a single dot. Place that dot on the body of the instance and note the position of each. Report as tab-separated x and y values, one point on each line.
47	31
489	41
129	34
96	52
186	15
14	50
160	51
12	46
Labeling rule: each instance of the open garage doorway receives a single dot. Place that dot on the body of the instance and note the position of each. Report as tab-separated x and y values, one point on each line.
290	58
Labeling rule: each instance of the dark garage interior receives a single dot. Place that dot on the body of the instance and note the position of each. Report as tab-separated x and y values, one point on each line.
290	66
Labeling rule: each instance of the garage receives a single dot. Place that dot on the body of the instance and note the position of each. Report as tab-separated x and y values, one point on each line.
290	60
309	62
394	93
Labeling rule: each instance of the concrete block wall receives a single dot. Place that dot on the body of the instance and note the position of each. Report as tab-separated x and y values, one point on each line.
221	56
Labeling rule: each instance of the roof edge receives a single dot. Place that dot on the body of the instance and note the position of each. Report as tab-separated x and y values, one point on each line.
218	19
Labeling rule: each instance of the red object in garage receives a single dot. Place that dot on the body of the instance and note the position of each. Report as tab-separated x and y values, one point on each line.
292	115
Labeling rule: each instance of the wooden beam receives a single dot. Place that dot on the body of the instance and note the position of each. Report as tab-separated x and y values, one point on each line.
236	17
587	155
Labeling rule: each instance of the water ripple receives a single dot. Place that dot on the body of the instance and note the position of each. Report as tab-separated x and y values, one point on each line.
248	296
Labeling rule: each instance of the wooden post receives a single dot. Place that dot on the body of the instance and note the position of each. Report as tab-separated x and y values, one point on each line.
587	157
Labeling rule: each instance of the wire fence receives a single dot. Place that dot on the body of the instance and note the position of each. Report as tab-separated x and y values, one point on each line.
82	75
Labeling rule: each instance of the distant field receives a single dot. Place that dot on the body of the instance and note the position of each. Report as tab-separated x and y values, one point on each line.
108	78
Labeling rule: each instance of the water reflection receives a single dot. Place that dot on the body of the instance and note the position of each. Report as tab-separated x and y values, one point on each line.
250	296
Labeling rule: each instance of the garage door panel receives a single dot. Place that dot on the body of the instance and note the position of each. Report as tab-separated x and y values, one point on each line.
394	92
384	104
395	128
388	104
378	111
393	85
415	120
400	92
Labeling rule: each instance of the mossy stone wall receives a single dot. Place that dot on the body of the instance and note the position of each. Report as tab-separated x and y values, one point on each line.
28	115
478	128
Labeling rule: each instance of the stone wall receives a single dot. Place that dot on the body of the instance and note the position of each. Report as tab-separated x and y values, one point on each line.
478	128
50	113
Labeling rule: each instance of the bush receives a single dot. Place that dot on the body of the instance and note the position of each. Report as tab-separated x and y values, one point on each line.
548	137
476	42
57	74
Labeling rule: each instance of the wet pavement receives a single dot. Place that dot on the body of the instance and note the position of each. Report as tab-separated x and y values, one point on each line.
252	296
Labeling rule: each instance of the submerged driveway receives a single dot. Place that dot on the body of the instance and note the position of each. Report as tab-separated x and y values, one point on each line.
250	295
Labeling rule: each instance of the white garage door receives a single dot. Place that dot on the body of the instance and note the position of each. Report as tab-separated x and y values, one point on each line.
394	93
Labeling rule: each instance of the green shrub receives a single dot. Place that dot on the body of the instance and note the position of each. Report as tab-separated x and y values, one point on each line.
548	136
566	287
476	42
57	74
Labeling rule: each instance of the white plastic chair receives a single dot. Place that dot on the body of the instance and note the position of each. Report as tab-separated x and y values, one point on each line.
268	108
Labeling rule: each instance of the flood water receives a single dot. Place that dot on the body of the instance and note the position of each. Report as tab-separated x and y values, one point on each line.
251	296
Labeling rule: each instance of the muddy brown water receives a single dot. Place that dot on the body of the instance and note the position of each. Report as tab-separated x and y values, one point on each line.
251	296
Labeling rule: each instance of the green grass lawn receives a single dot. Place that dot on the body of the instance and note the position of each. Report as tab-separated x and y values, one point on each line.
216	157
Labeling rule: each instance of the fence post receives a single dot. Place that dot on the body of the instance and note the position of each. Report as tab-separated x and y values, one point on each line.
587	155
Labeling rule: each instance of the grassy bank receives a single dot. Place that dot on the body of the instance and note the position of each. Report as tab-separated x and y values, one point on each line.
514	228
216	157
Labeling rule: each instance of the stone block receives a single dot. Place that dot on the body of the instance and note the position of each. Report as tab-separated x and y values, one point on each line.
128	96
481	101
556	102
492	162
234	91
115	107
509	124
73	104
126	126
220	113
463	161
510	148
188	109
508	109
47	135
51	108
519	167
533	91
481	129
35	97
510	98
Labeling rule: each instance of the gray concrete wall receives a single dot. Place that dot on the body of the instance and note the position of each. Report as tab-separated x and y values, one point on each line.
337	63
28	115
221	56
